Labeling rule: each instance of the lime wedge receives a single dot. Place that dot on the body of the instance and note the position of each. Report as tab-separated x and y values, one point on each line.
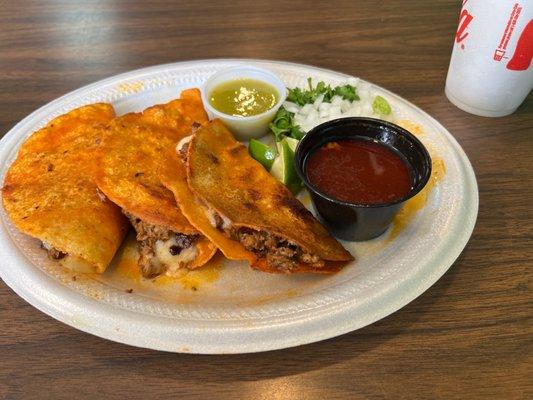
381	106
292	143
283	167
262	153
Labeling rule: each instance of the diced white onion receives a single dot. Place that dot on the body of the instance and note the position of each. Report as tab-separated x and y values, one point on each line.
336	100
306	109
291	107
311	115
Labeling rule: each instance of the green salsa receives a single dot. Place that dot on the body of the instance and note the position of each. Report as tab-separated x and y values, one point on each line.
244	97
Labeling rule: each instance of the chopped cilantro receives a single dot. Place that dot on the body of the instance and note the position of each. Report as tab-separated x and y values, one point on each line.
283	125
303	97
347	92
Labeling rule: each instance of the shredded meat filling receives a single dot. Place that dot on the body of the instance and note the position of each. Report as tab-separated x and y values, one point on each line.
148	235
279	253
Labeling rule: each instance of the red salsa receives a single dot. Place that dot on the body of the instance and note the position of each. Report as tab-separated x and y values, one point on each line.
359	171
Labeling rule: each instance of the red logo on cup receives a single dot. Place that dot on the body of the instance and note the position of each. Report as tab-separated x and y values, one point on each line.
464	19
499	53
524	50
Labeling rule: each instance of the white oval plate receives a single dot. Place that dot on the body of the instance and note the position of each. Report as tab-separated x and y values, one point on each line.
233	309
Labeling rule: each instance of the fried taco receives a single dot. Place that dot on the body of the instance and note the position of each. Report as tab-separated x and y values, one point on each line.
132	156
49	191
246	212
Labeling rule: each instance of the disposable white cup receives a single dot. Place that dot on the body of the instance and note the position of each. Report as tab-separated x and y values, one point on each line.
490	71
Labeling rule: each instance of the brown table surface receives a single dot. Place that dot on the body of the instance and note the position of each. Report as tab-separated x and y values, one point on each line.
468	336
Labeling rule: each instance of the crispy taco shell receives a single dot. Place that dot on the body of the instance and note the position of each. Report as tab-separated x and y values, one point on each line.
174	178
49	191
132	157
227	181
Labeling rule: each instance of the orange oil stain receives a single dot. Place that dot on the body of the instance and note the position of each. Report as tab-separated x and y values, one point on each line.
127	266
412	127
412	206
131	87
194	279
288	294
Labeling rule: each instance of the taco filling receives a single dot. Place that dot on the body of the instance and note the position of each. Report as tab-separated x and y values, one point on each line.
279	253
162	250
53	253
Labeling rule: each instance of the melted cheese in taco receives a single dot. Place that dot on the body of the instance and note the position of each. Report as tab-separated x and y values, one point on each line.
163	250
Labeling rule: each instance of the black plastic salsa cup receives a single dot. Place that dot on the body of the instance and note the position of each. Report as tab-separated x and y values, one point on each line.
358	222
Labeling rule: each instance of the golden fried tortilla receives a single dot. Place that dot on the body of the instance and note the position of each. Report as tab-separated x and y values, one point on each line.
248	214
174	177
49	191
132	156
